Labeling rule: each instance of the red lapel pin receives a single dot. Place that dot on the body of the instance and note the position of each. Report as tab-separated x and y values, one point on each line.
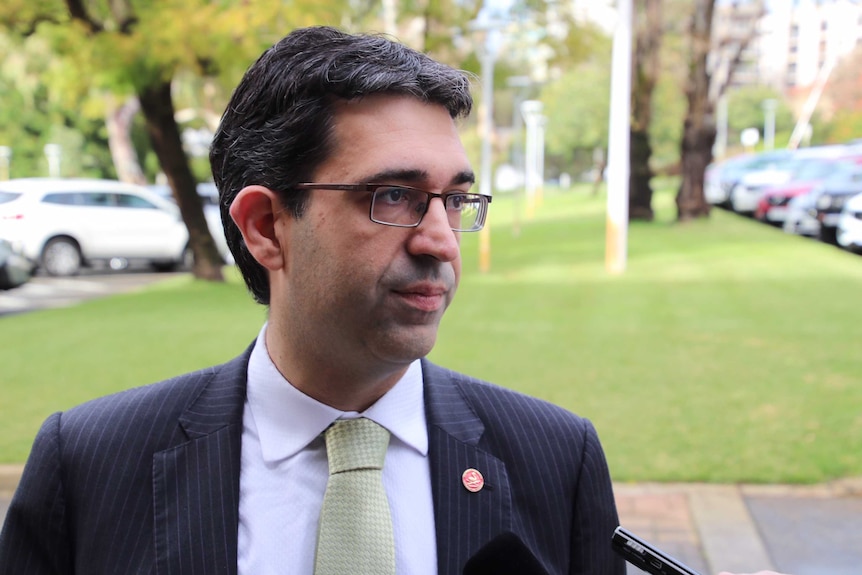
472	480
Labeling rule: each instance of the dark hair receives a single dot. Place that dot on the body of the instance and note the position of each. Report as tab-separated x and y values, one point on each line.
277	128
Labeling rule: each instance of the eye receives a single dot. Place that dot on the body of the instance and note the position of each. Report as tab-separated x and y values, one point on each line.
393	196
455	202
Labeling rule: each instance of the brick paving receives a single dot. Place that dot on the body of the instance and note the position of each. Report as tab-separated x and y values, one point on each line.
661	517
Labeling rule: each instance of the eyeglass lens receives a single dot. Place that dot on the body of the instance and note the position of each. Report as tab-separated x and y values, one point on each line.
406	207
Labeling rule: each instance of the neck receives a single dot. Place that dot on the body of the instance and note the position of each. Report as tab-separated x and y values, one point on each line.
340	384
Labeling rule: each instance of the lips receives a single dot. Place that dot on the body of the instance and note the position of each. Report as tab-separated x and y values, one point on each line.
424	297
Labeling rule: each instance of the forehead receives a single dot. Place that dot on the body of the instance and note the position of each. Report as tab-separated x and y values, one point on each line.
387	133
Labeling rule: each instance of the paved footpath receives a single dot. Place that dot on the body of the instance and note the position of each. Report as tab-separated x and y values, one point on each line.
799	530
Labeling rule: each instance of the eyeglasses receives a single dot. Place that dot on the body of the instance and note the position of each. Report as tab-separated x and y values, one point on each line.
404	207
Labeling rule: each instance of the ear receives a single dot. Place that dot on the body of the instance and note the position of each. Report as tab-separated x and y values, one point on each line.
255	210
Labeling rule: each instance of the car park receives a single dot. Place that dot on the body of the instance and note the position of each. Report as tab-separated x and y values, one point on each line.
849	234
15	269
63	225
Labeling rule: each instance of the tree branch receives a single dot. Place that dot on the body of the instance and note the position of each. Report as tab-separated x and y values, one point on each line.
79	13
740	46
28	28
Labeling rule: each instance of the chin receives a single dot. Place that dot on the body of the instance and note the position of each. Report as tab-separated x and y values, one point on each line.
405	348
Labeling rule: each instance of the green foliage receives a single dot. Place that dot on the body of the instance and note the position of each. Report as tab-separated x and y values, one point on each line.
745	110
35	111
844	126
577	107
58	71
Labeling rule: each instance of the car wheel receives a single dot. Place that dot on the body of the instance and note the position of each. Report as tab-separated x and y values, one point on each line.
828	235
186	261
61	257
731	201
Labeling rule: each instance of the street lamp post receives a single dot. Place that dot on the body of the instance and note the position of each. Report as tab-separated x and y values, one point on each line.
532	112
769	123
616	231
5	161
488	55
53	153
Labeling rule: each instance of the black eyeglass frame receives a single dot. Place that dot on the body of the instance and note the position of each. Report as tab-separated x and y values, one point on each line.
480	219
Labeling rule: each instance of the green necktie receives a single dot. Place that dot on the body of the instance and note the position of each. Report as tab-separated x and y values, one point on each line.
355	535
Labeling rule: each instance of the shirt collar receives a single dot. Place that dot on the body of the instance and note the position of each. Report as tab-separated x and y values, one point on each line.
287	420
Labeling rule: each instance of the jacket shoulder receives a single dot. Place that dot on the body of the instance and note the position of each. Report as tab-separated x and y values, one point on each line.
151	414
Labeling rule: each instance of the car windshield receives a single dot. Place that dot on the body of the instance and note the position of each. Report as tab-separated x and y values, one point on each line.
768	159
813	169
6	197
843	172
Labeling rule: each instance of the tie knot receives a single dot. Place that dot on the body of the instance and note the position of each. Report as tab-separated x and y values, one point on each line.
356	444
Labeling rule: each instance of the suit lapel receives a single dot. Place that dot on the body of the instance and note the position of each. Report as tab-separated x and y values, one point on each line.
464	520
196	483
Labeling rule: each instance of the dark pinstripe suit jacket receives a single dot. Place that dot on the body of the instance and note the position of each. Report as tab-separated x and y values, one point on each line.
147	480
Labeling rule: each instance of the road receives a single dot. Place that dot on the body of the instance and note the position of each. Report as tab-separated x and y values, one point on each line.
43	292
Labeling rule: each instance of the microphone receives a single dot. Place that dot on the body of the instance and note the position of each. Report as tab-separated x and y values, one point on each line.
505	554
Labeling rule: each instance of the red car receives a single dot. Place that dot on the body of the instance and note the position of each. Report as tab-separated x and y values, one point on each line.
772	207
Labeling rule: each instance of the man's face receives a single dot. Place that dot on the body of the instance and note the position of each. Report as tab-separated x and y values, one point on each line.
362	293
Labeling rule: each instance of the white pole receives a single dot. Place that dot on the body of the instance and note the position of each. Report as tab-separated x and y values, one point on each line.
616	231
5	161
719	149
769	123
486	120
540	157
532	112
52	153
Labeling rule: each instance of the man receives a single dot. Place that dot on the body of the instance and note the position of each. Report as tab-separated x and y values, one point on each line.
344	189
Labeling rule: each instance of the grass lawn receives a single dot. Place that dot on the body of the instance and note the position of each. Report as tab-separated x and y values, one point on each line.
728	351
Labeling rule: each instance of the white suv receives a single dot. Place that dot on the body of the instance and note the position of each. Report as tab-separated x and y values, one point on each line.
64	224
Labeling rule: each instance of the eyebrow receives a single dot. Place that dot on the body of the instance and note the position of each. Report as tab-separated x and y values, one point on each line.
418	176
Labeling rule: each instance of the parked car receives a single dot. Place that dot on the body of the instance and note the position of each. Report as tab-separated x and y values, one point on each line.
722	177
809	173
746	194
830	203
849	234
14	267
210	199
801	216
65	224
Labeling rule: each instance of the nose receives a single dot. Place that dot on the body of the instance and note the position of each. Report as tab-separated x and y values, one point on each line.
434	236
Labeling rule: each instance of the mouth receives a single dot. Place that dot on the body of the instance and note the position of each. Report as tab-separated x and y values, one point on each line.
425	298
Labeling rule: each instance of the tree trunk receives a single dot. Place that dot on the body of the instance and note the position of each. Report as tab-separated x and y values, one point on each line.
158	107
645	70
640	191
118	121
699	128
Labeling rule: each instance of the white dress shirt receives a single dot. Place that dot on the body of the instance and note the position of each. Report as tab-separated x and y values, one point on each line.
284	471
